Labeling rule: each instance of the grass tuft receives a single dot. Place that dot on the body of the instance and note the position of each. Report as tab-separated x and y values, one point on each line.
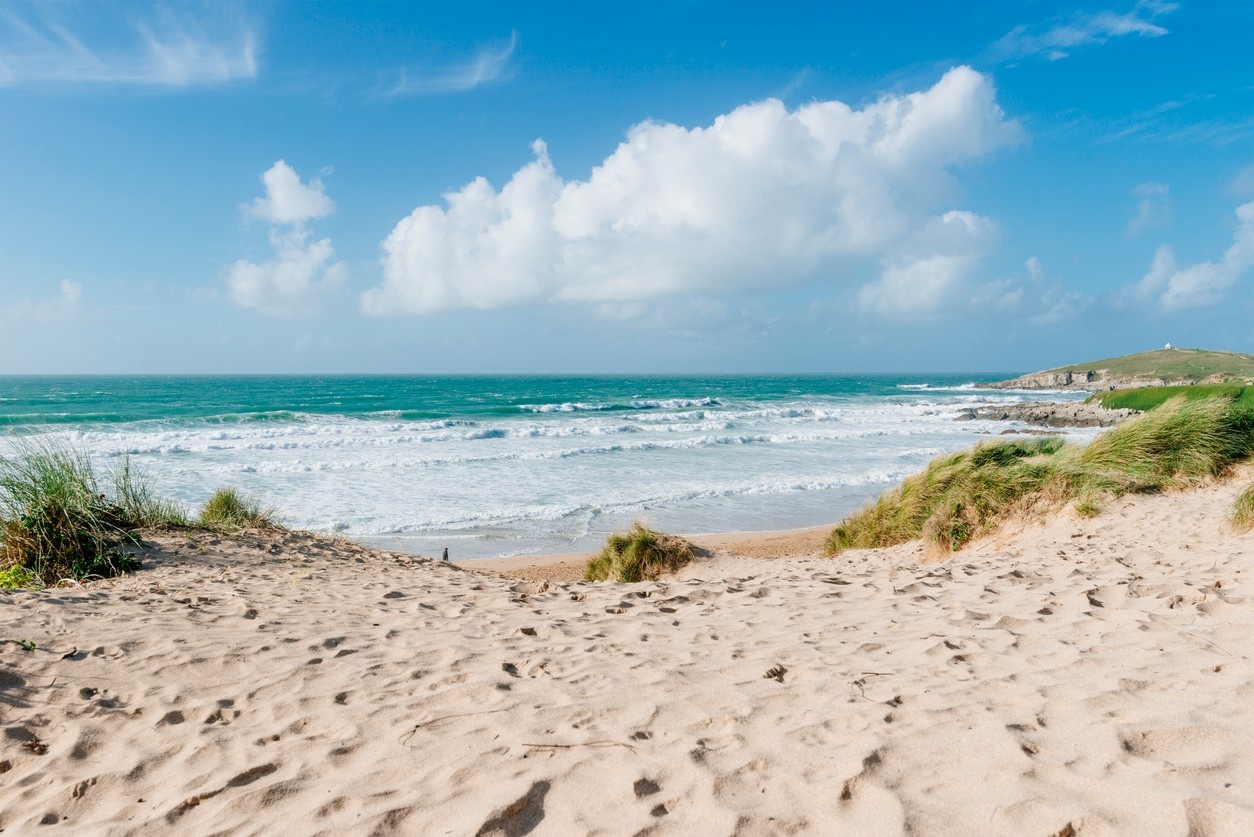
55	522
962	496
955	499
639	555
132	492
1243	511
1175	445
231	510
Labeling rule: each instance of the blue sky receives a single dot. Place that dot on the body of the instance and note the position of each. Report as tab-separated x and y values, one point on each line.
622	187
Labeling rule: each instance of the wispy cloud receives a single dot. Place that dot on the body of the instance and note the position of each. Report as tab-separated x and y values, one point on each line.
1175	287
1082	29
1153	209
489	64
122	44
60	307
1180	120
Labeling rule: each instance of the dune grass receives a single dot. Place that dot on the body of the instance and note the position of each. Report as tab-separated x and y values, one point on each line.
962	496
231	510
639	555
132	492
1243	511
60	521
956	498
55	521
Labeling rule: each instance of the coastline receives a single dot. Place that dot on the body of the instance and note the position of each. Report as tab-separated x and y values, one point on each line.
805	541
569	566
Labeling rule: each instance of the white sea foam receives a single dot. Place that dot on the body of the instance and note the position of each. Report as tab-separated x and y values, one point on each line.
556	476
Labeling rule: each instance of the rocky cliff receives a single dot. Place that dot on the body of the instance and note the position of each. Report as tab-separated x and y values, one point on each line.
1089	380
1146	369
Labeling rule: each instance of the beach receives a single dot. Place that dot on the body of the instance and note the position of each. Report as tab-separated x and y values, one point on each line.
1064	676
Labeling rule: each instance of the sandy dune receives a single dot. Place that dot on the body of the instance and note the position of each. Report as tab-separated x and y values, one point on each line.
1089	674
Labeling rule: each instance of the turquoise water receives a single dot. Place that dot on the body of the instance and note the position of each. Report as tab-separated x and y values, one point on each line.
491	465
118	399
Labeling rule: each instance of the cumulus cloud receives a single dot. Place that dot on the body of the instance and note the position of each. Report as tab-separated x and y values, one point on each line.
1174	287
1084	29
288	200
924	276
763	197
291	283
1153	208
163	46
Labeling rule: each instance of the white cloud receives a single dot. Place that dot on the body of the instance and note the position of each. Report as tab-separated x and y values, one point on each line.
1153	209
1084	29
1175	288
490	63
292	283
1043	301
287	200
169	46
928	272
764	197
58	308
287	285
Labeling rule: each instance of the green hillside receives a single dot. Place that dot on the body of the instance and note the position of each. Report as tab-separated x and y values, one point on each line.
1147	398
1170	365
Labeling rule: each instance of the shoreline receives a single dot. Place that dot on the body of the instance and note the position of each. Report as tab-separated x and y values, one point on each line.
569	566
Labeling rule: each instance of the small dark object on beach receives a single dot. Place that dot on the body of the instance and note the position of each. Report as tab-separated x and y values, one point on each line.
446	553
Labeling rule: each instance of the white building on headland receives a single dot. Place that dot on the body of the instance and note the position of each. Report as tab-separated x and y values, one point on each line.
1169	346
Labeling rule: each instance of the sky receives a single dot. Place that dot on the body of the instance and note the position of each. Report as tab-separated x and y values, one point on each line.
614	187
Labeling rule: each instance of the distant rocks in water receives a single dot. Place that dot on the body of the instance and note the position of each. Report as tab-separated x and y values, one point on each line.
1049	414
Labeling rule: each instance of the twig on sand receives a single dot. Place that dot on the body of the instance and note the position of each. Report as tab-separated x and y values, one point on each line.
581	744
1158	620
405	738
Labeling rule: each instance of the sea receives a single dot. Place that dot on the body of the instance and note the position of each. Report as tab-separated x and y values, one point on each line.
508	465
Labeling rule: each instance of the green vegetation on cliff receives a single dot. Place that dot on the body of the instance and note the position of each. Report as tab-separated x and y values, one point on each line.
1147	398
1169	365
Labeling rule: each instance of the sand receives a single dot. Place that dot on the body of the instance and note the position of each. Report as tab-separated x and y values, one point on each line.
1077	676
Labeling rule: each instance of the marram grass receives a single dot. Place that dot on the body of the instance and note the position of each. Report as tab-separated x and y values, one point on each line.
639	555
955	499
56	523
962	496
231	510
60	522
1243	511
133	493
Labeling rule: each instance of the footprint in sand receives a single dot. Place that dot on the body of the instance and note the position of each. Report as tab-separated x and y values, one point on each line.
1181	746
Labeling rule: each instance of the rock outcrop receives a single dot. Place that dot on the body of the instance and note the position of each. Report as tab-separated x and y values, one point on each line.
1049	414
1089	380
